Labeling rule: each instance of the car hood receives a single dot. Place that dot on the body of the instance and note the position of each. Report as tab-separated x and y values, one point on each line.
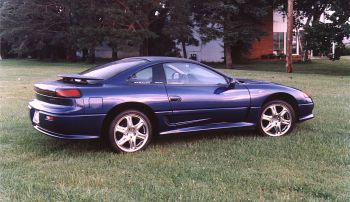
251	81
261	82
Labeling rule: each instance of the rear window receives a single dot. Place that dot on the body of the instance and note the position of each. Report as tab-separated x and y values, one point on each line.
109	70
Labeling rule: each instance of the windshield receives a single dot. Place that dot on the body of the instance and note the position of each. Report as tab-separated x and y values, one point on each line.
109	70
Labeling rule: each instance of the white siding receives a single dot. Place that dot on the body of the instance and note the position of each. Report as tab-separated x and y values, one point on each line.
212	51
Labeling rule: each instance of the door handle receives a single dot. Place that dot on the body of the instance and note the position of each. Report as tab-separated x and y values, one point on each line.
175	98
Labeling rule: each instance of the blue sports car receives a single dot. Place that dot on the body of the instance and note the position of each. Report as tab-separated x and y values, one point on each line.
131	100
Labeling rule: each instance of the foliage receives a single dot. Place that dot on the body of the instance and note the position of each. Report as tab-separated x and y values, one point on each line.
68	26
45	25
237	22
179	24
346	50
319	35
58	28
35	25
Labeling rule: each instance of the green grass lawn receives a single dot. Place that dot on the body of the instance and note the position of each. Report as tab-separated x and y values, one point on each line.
313	163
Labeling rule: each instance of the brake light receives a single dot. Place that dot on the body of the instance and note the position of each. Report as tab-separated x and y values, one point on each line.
68	93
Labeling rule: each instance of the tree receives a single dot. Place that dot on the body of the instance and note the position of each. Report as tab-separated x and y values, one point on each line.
179	23
138	17
307	17
237	22
88	26
37	27
321	36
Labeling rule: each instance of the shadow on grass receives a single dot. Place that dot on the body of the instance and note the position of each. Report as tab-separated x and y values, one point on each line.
204	135
47	146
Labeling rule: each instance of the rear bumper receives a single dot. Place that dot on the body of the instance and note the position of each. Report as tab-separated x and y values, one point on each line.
68	126
62	136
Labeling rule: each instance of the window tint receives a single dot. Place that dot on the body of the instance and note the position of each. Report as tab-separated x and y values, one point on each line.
154	75
188	73
109	70
143	76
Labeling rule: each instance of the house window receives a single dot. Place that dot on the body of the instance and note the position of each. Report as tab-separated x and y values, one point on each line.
278	42
294	43
193	57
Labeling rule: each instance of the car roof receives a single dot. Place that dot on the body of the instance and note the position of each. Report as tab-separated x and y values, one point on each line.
161	58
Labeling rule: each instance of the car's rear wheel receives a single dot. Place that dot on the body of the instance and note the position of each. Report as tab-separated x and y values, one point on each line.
276	119
130	131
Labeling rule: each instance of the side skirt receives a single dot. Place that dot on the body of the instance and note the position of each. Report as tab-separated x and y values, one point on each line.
215	126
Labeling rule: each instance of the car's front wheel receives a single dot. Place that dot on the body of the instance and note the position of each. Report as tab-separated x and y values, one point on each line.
130	131
276	119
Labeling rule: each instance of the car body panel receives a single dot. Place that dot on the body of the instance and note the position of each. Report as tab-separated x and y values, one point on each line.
176	108
213	104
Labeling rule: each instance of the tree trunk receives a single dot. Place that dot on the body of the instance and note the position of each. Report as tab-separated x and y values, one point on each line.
85	53
92	58
227	47
53	53
304	51
114	53
184	49
228	56
70	54
0	48
289	59
305	56
144	48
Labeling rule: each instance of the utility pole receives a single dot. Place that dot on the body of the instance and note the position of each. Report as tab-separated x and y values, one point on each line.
0	48
289	60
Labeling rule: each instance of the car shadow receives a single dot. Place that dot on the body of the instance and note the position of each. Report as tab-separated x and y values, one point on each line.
47	146
204	135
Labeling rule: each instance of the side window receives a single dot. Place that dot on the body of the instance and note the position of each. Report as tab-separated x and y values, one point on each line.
144	76
191	74
150	75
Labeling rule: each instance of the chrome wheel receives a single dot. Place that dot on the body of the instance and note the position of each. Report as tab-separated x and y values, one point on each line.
276	119
131	132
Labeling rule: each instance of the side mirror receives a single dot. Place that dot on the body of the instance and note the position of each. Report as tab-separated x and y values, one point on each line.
232	83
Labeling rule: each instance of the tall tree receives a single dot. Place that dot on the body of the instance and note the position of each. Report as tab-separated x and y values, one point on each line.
179	24
87	26
320	20
237	22
37	27
138	16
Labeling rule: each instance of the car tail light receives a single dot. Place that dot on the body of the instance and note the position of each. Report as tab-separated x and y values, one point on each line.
68	93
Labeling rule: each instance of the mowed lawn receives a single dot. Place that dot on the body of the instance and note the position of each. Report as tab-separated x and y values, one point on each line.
313	163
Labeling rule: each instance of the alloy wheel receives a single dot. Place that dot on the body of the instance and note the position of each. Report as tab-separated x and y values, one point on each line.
131	132
276	120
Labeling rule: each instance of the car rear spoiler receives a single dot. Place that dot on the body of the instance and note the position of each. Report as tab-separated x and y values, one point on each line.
78	78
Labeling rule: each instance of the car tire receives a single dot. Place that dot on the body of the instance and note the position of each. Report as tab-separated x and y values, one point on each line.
130	131
277	118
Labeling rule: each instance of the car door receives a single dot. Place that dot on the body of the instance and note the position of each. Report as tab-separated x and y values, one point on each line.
199	95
